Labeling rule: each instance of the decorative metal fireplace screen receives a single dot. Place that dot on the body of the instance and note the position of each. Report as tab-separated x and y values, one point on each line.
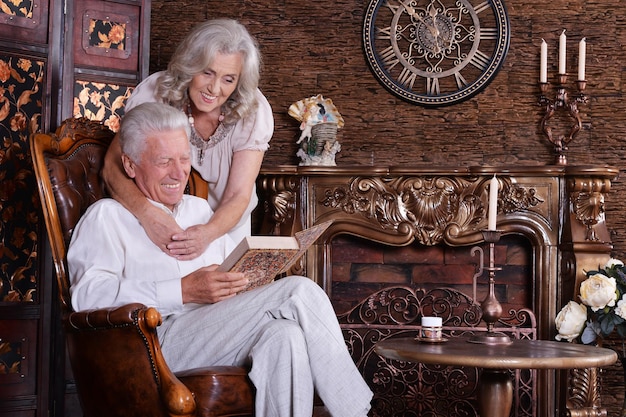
403	389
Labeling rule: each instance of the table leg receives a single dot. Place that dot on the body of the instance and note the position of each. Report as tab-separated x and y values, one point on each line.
495	394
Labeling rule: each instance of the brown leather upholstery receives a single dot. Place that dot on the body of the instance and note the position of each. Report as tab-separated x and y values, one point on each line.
197	185
115	353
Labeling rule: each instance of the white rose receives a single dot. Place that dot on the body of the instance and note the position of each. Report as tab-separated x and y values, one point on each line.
598	291
620	310
613	262
570	321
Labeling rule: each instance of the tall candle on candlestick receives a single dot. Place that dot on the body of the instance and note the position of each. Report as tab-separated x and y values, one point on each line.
562	49
493	203
543	62
582	56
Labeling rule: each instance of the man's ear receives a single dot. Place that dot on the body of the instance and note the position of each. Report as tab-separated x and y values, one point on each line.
129	165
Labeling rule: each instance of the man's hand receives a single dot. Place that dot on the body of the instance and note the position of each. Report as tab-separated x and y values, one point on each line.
208	286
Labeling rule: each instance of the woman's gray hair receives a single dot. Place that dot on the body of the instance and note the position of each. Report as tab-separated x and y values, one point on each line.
196	53
145	120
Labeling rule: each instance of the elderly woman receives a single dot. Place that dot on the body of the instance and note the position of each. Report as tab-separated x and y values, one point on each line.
213	77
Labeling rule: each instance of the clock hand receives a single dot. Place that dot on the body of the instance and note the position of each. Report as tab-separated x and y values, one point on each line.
432	11
411	11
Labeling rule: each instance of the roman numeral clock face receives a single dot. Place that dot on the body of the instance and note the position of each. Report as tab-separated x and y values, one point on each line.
435	52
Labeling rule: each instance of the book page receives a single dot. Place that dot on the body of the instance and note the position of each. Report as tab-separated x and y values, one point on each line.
307	237
262	265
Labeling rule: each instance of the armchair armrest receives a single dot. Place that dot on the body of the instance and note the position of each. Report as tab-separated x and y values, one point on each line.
220	390
116	359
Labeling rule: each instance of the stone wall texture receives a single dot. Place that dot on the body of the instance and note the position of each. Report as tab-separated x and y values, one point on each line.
315	47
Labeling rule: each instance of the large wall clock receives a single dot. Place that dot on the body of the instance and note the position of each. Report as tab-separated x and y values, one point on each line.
435	52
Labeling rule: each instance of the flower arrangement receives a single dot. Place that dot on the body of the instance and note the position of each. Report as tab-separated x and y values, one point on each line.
602	309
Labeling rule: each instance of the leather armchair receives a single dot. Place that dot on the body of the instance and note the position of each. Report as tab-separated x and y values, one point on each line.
115	353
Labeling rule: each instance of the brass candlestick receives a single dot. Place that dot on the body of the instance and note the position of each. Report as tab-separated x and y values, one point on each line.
562	102
491	307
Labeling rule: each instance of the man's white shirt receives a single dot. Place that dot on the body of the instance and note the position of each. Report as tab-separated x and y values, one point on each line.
112	261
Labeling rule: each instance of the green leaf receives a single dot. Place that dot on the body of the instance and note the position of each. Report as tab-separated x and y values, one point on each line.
607	326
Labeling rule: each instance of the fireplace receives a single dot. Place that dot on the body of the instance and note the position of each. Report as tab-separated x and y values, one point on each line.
413	235
381	292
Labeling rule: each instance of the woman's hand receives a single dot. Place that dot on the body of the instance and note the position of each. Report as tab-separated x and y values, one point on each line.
191	243
160	227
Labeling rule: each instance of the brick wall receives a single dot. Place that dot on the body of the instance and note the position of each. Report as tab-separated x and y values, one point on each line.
361	267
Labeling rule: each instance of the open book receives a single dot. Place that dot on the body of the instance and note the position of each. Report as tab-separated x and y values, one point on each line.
261	258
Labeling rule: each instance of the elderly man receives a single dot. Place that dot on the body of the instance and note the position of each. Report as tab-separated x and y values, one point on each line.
286	331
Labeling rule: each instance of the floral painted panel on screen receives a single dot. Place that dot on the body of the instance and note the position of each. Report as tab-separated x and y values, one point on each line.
107	34
21	92
100	101
10	357
24	21
21	8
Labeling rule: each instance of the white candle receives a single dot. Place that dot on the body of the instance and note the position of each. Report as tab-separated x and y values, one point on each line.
543	63
582	56
562	42
493	203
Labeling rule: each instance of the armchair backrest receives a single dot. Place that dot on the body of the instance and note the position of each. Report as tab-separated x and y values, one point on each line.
67	165
115	353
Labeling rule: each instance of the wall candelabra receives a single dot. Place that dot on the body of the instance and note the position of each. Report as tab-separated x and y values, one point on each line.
562	103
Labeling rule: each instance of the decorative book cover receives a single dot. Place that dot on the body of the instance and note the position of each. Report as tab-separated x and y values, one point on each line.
261	258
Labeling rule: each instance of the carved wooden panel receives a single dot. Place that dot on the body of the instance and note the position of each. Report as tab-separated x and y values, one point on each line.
106	35
25	84
18	358
107	56
38	78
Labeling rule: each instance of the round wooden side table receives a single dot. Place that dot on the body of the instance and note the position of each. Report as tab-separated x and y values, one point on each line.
496	387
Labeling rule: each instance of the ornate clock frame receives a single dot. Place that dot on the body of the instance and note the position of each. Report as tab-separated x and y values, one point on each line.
435	52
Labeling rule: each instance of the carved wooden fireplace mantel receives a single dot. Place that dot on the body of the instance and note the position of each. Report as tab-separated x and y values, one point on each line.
559	210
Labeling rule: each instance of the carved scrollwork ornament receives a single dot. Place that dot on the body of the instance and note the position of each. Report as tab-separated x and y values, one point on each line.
589	208
284	205
281	202
584	394
587	202
428	209
515	198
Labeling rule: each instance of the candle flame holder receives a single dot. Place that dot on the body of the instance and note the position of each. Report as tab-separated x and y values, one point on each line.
491	307
564	103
